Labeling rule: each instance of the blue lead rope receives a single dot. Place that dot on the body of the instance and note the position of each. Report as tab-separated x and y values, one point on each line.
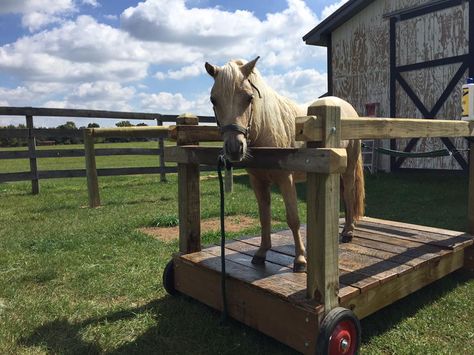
223	163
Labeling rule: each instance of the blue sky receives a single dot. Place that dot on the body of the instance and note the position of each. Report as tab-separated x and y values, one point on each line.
149	56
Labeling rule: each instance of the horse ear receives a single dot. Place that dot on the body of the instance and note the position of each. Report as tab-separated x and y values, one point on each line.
246	69
211	69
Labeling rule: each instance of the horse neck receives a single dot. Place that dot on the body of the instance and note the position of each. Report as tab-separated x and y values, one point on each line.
273	121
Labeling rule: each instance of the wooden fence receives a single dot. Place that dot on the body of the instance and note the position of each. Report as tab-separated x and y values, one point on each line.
31	134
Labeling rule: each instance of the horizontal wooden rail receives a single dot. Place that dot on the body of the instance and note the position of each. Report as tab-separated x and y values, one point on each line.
71	153
317	160
131	132
195	133
61	112
55	174
310	128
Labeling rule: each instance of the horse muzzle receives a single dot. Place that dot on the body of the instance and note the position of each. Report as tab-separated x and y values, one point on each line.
235	147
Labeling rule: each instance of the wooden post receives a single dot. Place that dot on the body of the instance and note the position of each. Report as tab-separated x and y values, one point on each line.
32	154
323	218
91	169
189	197
229	180
161	146
469	252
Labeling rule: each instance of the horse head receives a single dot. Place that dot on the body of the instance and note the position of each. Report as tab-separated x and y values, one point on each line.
232	98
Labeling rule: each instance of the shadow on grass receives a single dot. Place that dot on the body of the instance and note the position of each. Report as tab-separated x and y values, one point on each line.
390	316
182	326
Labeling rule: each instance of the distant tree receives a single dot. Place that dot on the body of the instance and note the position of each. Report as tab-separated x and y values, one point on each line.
142	124
124	124
93	125
68	125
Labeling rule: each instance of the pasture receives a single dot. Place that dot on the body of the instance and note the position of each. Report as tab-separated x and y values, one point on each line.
80	280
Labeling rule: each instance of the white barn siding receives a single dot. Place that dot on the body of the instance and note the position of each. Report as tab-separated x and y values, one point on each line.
361	66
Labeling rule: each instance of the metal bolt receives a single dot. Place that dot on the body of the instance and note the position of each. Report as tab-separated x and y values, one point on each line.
307	161
307	320
333	129
306	344
344	344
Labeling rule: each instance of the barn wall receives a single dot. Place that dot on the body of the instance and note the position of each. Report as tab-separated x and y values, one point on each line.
361	65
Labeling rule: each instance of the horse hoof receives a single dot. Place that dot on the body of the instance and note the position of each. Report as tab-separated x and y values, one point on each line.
258	260
346	238
299	267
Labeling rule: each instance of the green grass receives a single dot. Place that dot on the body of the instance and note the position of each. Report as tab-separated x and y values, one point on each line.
79	280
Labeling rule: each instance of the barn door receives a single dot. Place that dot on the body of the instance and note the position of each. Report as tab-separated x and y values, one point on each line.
430	48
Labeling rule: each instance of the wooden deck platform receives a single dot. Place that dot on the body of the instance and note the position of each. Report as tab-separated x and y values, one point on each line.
385	262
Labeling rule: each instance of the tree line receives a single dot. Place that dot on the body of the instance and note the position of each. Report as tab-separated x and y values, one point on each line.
69	125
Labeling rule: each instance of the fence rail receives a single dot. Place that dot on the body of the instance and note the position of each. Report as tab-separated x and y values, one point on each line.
31	134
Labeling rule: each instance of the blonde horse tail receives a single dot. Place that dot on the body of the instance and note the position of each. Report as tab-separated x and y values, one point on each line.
359	203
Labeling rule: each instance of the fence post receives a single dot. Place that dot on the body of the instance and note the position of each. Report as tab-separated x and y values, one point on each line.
323	217
161	146
91	169
189	197
32	154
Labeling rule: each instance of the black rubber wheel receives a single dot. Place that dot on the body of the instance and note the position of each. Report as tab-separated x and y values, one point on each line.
168	278
339	333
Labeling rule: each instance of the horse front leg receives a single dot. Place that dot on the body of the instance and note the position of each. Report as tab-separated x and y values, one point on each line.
262	193
288	191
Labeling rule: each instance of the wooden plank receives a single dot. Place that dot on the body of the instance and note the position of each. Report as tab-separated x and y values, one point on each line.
309	128
195	133
62	112
274	258
317	160
135	132
461	240
58	132
14	133
470	196
413	226
377	298
286	258
63	153
32	156
19	176
323	218
249	305
91	169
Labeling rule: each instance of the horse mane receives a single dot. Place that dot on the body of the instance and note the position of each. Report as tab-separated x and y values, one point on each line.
273	115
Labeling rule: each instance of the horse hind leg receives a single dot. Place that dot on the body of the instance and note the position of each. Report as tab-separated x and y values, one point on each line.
348	197
288	191
262	193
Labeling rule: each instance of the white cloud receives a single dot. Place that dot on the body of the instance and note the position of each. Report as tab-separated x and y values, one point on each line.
93	3
165	102
221	35
302	85
39	13
328	10
85	50
111	17
189	71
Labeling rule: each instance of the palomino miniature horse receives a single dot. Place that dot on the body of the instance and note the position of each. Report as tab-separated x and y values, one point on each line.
251	114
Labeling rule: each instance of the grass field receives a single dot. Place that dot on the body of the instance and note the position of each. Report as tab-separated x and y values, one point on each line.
78	280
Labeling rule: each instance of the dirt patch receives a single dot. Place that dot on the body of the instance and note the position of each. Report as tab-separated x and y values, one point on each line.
236	223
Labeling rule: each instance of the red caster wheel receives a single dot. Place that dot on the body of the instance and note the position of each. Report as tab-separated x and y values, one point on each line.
339	333
168	278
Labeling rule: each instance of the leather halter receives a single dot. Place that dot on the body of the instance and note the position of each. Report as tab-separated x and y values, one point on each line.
236	127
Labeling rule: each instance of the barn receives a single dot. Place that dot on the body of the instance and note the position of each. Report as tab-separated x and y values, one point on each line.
402	58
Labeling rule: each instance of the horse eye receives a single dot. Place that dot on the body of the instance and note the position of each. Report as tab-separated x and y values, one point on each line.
250	98
213	101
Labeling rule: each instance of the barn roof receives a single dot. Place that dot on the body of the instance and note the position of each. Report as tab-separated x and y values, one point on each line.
318	36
